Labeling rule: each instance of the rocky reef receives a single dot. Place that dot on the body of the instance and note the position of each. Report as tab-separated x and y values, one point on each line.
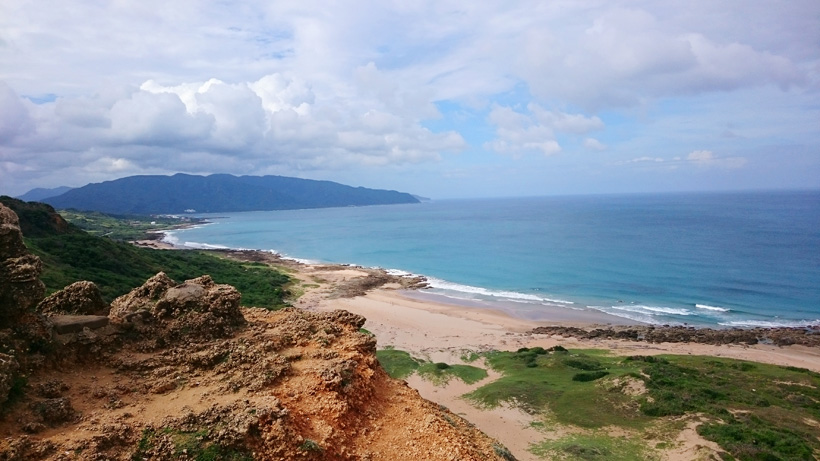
809	336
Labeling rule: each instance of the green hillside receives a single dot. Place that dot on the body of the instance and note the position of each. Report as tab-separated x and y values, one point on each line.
70	254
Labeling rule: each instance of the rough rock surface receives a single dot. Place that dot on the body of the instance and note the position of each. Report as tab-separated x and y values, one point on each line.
197	307
142	298
20	289
20	286
79	298
8	372
289	384
809	336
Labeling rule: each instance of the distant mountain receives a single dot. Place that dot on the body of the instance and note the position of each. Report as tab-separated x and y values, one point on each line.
182	193
38	194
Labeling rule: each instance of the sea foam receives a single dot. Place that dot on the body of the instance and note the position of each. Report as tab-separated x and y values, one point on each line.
512	296
712	308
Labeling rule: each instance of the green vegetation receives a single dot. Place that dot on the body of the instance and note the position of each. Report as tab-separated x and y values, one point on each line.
310	445
118	267
186	445
753	411
439	373
69	254
399	364
592	447
537	381
122	227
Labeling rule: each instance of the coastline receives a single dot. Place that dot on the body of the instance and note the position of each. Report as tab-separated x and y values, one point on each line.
435	329
403	316
583	322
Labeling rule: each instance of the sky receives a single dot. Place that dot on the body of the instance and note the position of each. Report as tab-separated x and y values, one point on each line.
444	99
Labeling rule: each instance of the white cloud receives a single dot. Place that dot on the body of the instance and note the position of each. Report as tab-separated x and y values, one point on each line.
242	127
701	156
14	116
594	144
706	158
519	132
697	158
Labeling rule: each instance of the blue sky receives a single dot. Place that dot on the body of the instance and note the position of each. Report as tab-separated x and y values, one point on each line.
441	99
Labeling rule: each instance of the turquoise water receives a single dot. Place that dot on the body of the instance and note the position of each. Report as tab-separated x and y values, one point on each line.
729	259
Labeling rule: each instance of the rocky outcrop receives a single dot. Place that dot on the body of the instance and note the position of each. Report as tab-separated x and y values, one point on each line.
289	384
20	290
20	286
809	336
8	374
79	298
197	307
140	299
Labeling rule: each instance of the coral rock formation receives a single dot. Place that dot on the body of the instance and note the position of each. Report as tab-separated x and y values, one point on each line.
20	286
79	298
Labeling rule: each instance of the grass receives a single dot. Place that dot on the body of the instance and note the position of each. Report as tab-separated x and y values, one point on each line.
536	381
753	411
593	447
440	375
400	365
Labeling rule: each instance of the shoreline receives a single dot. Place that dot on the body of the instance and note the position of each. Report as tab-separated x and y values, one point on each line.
532	305
549	315
437	331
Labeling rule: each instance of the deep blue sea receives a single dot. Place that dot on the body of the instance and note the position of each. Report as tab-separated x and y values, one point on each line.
704	259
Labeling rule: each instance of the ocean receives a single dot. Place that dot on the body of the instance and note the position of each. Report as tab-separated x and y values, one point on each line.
701	259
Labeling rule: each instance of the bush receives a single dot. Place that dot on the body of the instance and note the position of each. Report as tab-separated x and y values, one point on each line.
590	376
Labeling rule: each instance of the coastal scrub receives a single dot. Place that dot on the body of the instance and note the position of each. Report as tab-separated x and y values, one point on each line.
751	410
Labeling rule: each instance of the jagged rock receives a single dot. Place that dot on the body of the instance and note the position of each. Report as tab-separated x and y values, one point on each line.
20	286
54	411
197	307
8	371
79	298
11	238
52	389
142	298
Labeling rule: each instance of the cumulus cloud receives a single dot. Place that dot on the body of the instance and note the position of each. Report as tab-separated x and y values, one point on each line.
535	130
242	127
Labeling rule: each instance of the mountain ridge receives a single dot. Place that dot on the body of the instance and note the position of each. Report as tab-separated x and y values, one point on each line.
180	193
40	193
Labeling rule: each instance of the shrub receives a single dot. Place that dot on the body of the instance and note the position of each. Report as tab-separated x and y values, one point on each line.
590	376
